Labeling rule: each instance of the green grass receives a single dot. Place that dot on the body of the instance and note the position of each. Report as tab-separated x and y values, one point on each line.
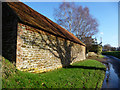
84	74
112	53
100	56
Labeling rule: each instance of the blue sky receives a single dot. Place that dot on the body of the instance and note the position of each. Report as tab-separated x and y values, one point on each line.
106	14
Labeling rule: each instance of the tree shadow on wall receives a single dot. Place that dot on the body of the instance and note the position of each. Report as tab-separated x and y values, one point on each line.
59	48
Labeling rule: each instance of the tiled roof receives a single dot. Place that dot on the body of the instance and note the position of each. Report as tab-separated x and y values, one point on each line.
31	17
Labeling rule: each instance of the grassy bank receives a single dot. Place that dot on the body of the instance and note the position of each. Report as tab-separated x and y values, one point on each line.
84	74
112	53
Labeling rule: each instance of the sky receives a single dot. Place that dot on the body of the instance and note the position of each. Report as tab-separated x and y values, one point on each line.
106	14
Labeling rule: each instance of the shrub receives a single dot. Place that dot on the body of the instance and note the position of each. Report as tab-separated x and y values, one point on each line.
96	48
112	53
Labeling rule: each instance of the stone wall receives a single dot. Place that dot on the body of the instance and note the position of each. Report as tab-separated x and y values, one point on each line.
39	51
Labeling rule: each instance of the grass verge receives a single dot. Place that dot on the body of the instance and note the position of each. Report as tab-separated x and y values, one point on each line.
112	53
84	74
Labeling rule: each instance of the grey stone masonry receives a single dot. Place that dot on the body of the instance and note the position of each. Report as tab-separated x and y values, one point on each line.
39	51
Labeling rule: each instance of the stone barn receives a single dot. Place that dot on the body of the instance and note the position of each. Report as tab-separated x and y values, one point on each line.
34	42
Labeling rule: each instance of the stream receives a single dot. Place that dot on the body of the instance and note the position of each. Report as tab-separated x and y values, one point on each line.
112	77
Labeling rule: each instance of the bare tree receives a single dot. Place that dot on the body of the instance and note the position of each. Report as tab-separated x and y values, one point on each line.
76	20
64	15
118	49
107	47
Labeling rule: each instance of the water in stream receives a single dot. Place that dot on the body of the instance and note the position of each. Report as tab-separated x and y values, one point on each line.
112	78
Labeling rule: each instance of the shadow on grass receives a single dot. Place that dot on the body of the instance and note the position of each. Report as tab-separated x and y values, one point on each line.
86	67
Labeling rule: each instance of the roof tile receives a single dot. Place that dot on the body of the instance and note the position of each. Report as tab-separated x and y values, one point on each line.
31	17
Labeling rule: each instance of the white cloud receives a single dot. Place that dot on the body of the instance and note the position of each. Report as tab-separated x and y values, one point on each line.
101	33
